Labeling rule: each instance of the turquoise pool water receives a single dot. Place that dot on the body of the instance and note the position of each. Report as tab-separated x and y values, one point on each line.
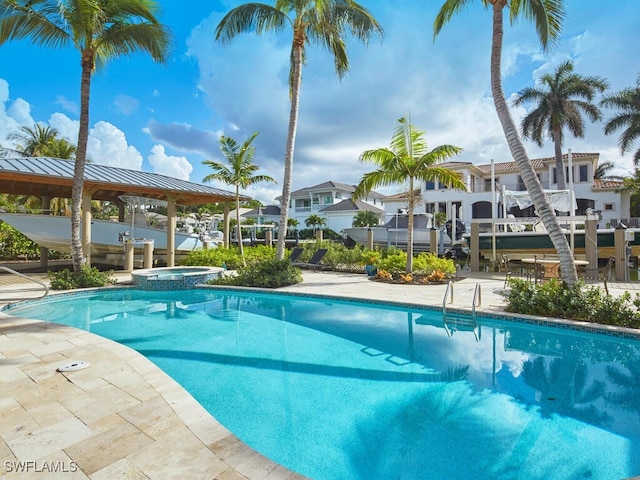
341	390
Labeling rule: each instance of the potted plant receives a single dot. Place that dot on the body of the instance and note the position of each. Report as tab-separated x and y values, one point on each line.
370	259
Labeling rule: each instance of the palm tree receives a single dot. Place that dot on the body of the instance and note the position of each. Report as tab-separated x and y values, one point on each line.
628	102
41	141
365	218
547	16
603	169
239	173
34	142
562	99
408	159
100	30
317	21
315	222
60	148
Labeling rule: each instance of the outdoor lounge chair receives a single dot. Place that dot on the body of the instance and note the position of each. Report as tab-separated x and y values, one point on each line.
314	261
295	254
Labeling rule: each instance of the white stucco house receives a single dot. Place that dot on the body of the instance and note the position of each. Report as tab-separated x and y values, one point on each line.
329	200
476	200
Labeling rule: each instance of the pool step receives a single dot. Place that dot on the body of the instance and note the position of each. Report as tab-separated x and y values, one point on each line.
461	322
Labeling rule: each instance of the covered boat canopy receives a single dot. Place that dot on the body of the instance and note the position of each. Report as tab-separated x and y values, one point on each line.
558	199
53	177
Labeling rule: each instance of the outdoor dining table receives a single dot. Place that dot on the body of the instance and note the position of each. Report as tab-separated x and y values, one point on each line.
552	265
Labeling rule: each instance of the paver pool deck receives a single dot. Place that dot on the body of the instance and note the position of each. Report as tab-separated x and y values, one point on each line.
123	417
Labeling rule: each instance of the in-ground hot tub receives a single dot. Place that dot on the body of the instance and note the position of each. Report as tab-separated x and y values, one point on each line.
173	278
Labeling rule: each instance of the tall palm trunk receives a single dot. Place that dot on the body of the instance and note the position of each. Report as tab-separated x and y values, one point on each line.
410	208
296	79
546	214
238	229
557	146
77	254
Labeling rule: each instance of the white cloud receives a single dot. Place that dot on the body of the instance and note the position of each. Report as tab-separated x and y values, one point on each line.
67	128
172	166
20	111
13	116
126	104
107	144
68	105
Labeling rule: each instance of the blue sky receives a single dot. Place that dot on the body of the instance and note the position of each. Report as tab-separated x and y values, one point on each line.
167	118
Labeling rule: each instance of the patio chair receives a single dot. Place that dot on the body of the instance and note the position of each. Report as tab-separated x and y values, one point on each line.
295	254
512	269
314	261
597	275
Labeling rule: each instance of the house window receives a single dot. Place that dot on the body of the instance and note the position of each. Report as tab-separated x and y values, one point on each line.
430	186
487	184
566	175
316	201
521	186
435	207
609	207
328	200
584	173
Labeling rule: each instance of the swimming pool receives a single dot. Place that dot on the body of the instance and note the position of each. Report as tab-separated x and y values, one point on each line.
345	390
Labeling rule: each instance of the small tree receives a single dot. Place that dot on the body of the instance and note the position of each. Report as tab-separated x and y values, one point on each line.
408	158
315	222
365	218
240	173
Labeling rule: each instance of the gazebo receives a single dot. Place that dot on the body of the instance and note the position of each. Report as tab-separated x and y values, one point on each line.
48	178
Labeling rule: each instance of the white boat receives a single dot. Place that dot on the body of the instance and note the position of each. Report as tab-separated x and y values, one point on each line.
394	233
54	232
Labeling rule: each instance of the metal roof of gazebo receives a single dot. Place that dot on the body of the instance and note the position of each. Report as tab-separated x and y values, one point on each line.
53	177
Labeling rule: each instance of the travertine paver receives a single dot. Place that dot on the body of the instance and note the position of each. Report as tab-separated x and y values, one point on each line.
121	417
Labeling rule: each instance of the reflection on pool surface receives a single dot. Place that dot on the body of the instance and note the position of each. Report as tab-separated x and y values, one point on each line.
340	390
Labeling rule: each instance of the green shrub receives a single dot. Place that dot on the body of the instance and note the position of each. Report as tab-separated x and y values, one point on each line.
577	302
393	260
88	277
14	245
370	257
429	263
214	257
259	253
230	257
270	273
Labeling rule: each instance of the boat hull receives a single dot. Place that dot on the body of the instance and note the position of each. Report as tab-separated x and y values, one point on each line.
526	244
54	232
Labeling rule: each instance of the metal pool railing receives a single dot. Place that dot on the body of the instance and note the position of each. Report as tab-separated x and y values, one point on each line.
19	283
454	321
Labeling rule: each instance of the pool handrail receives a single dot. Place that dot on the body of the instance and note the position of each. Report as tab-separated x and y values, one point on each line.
447	293
26	277
477	295
477	300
